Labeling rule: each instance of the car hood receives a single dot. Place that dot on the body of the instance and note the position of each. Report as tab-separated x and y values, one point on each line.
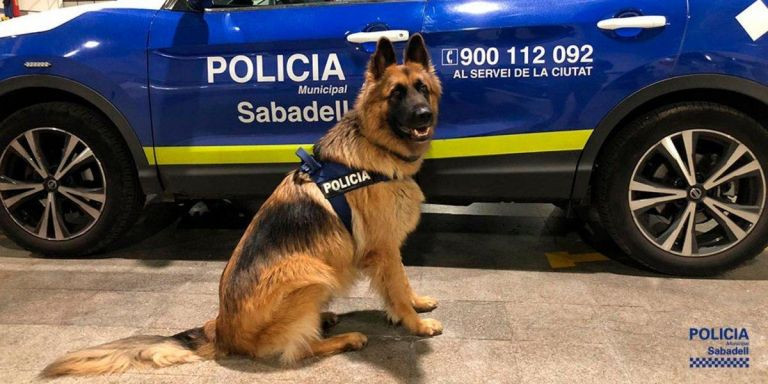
48	20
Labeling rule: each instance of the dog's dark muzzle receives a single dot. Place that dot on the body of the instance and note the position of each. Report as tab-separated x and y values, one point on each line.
421	117
419	124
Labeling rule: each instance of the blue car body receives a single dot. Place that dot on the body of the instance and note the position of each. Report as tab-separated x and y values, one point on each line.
533	88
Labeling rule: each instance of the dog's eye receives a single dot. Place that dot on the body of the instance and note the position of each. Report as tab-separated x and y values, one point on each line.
421	87
398	92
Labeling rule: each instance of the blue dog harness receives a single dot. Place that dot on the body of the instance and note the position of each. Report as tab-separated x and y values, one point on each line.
335	180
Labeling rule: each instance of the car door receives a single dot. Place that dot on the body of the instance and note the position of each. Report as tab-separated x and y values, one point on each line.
235	89
528	80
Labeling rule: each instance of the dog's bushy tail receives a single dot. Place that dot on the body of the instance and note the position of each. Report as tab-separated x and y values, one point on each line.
137	352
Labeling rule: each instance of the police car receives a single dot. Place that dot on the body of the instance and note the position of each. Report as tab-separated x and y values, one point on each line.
653	112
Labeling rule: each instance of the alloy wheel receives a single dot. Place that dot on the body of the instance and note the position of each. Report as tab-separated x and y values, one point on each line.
52	184
696	193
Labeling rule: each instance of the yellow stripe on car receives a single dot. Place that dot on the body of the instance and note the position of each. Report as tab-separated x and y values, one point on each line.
510	144
149	152
441	149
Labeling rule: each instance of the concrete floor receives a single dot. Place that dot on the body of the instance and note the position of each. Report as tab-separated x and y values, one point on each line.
522	299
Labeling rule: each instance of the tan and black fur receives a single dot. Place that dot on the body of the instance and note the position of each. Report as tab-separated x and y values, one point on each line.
296	254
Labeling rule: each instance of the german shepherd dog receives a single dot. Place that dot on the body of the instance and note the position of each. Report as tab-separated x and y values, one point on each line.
297	254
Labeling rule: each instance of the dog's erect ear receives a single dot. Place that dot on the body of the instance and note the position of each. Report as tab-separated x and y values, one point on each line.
416	51
382	59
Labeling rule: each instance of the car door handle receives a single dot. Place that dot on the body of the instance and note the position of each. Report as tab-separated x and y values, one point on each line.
394	35
642	22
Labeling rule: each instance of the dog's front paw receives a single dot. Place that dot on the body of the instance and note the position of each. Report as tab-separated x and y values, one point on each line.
424	304
355	341
428	327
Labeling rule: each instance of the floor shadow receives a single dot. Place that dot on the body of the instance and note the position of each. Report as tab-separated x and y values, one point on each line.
511	243
9	244
502	237
204	230
154	219
390	348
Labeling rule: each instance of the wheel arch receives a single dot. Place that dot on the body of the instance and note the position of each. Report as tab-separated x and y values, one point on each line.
742	94
22	91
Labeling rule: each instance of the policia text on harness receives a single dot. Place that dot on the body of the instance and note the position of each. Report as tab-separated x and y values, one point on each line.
334	180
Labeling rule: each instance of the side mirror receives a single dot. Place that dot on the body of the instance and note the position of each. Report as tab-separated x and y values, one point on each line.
199	5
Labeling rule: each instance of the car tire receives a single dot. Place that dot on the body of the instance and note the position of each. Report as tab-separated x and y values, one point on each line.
593	233
68	184
684	219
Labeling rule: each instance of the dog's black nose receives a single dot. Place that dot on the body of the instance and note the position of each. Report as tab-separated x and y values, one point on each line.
422	115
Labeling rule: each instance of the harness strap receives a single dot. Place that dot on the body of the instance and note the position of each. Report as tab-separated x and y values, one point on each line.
308	162
335	180
343	210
